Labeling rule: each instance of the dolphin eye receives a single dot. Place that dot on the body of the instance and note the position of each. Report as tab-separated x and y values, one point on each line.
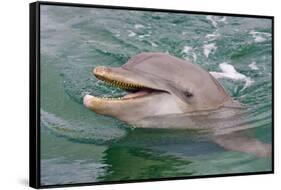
188	94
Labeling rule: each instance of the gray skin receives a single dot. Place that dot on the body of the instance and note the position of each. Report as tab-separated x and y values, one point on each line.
182	95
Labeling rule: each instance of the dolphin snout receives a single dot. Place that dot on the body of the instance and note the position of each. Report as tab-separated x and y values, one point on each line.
100	70
87	100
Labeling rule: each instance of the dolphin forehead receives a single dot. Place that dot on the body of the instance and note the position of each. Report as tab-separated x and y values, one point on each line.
166	67
182	74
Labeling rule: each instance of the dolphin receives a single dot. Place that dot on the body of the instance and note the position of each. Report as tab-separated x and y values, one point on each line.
166	92
158	84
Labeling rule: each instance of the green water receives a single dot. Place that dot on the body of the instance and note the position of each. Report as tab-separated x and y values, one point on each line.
80	146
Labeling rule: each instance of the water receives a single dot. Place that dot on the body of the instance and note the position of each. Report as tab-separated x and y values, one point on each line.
80	146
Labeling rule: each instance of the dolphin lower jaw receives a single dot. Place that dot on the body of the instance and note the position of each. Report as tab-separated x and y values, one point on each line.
125	109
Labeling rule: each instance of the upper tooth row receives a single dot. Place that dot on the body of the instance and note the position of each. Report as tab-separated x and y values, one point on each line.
120	84
119	98
125	85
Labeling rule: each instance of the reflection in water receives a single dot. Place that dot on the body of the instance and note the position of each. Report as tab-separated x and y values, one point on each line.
132	163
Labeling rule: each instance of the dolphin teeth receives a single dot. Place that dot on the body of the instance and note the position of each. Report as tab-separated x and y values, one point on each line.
119	84
110	98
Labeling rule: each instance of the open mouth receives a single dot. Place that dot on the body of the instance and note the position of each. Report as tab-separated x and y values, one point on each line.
133	90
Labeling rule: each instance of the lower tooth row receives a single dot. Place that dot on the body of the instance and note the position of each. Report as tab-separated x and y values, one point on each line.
106	98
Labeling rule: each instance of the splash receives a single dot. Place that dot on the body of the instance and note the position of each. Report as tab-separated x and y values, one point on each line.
215	20
209	48
259	36
253	66
228	71
189	51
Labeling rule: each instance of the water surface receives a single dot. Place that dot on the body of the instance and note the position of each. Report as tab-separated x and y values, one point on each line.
79	146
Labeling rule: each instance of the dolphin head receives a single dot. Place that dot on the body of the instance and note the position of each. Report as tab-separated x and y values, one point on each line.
157	84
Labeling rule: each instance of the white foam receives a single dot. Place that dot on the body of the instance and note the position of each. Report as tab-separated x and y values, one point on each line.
209	48
186	49
213	36
194	56
183	33
189	50
144	35
153	44
258	39
253	66
213	21
137	26
223	19
131	33
259	36
228	71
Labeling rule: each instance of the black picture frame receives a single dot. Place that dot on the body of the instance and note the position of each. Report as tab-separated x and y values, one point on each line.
34	91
